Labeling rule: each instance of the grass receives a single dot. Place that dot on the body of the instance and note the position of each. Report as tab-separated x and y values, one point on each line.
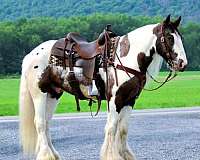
183	91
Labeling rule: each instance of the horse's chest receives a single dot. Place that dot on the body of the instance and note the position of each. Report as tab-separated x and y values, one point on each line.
128	92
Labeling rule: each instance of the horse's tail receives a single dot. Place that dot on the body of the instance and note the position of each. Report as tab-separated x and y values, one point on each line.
28	136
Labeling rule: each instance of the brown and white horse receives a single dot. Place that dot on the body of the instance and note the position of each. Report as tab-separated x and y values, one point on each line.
149	45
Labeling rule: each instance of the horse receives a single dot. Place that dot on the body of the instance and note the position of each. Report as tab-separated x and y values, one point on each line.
138	57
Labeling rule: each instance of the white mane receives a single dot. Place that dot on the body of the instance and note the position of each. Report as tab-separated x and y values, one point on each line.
154	67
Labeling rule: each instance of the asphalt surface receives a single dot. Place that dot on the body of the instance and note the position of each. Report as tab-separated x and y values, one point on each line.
153	135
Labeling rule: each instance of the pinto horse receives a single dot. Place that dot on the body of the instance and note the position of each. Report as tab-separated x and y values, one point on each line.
146	47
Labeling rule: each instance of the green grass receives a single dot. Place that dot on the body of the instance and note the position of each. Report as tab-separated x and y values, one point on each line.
183	91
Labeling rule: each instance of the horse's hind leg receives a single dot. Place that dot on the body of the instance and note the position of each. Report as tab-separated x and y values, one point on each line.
51	105
43	150
121	134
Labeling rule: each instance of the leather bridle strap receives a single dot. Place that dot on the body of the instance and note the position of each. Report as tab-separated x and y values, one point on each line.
166	46
105	65
130	70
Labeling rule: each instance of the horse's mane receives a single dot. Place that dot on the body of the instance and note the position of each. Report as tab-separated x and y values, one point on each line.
154	67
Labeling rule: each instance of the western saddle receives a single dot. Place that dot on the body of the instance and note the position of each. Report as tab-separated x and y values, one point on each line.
74	51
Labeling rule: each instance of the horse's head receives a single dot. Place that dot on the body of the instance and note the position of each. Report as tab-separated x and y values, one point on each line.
169	44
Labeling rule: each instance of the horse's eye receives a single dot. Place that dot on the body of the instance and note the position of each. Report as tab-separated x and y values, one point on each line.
171	38
182	39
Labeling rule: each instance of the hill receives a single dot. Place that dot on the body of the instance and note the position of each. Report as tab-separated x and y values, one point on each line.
15	9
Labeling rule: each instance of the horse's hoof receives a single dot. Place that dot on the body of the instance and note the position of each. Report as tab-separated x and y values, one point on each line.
56	154
46	154
128	155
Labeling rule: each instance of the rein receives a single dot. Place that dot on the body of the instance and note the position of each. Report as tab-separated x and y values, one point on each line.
105	65
170	72
141	75
168	78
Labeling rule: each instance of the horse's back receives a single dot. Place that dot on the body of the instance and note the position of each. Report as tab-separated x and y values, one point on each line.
38	57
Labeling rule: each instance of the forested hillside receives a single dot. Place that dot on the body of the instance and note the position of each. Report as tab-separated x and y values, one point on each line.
14	9
19	37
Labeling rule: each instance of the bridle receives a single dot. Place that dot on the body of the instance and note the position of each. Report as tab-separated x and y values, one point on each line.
166	47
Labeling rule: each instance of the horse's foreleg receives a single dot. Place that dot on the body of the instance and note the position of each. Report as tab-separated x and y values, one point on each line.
122	132
51	105
43	150
109	149
115	146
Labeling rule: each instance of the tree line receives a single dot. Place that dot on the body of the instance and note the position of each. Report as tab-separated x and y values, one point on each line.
14	9
18	38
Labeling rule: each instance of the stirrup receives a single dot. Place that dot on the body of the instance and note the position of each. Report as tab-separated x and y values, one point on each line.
92	89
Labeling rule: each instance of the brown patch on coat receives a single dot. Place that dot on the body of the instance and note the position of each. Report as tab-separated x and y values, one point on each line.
47	83
51	82
144	61
128	92
124	46
157	30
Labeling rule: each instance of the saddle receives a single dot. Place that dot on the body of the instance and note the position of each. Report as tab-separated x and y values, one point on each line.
85	49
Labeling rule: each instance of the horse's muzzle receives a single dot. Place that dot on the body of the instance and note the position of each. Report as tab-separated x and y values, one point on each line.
181	66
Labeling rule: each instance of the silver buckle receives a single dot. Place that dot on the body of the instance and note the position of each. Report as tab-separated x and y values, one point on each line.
162	39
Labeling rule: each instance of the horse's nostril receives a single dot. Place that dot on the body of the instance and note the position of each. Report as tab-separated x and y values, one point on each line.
184	67
181	65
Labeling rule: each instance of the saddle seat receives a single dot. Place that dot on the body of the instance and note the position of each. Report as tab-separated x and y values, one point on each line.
85	49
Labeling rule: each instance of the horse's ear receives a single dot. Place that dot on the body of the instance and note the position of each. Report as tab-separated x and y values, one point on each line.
167	20
177	22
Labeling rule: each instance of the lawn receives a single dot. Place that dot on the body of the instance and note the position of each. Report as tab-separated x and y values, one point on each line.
183	91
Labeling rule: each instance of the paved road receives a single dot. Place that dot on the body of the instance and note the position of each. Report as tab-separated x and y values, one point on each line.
153	134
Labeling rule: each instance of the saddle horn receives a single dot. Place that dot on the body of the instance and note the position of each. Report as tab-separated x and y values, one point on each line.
108	27
111	34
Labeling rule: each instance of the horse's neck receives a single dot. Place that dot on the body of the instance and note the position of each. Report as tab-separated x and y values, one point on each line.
142	40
